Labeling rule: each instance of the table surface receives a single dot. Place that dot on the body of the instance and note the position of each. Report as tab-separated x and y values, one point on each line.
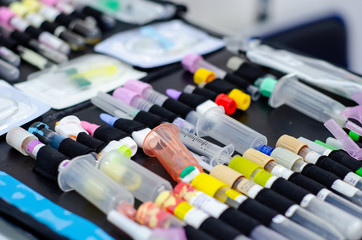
270	122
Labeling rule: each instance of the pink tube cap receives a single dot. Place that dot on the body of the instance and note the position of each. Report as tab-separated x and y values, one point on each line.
137	86
189	62
5	15
353	112
50	2
89	127
348	144
357	97
125	95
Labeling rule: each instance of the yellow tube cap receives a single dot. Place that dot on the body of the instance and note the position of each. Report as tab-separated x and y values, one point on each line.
257	157
262	177
32	5
207	184
225	174
243	166
203	75
290	143
18	8
242	99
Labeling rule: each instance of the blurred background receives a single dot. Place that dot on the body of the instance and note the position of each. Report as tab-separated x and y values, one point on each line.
328	29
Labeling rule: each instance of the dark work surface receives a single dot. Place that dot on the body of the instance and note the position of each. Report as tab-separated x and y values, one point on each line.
270	122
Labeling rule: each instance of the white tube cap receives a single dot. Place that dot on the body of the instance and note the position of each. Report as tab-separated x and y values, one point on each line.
139	136
17	136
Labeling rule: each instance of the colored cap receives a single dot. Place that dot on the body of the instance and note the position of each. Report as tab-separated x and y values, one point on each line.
207	184
243	166
257	157
130	144
190	62
109	119
203	75
290	143
32	5
285	157
265	149
228	103
89	127
242	99
5	15
140	135
35	127
173	93
69	126
49	2
325	145
234	63
262	177
225	174
137	86
125	95
18	8
353	135
267	86
17	136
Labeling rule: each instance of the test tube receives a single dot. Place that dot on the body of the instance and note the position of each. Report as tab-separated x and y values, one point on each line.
9	56
269	217
216	124
8	71
288	90
147	92
236	180
142	183
163	142
193	62
134	99
332	214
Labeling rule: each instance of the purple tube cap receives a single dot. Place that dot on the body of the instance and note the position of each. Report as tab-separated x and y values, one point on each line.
189	62
173	93
137	86
50	2
125	95
5	15
109	119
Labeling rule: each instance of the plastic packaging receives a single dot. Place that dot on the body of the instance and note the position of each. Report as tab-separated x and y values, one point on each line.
133	11
16	108
313	71
78	80
158	44
141	182
288	90
216	124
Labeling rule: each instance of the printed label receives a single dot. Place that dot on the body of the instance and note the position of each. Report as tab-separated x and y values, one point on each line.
306	200
344	188
291	210
245	185
312	157
195	217
270	181
208	204
322	194
281	171
352	178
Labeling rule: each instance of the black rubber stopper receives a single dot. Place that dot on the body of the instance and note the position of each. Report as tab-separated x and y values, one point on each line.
149	119
289	190
128	126
328	164
219	229
250	71
220	86
89	141
258	211
163	113
306	183
73	149
209	94
194	234
345	159
49	27
34	32
320	175
240	82
107	133
274	200
192	100
177	107
63	19
239	220
47	162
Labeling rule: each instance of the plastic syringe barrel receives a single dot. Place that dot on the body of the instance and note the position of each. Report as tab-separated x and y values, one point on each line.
80	175
312	103
141	182
216	124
